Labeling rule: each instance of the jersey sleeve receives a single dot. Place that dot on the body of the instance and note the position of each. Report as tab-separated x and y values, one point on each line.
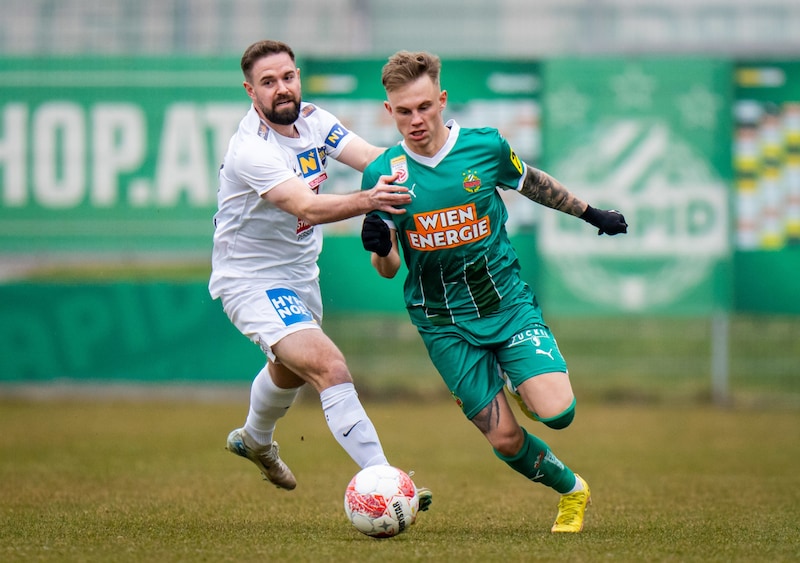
336	135
511	170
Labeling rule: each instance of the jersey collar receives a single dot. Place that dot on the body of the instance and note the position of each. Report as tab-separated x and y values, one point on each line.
432	161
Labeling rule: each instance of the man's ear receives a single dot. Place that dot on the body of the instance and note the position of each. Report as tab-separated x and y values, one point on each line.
249	89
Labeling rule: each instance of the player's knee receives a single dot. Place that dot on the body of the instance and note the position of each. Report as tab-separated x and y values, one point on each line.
506	442
507	446
561	420
336	372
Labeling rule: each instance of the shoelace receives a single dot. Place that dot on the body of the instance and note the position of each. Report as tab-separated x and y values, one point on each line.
570	506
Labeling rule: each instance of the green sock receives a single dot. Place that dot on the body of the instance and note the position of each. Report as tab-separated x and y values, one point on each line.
537	462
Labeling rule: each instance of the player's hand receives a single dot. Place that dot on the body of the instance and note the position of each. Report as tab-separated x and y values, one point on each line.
609	222
376	235
386	196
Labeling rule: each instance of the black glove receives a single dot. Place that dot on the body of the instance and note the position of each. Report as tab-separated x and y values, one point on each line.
607	222
376	235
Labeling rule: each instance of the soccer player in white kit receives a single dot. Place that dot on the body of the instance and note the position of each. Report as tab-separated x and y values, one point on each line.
264	261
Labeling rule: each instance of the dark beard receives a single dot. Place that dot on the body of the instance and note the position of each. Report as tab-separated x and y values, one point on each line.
284	117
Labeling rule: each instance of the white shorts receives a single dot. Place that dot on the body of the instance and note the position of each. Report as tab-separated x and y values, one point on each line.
268	312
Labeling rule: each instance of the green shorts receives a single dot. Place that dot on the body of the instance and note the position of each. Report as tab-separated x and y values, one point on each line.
471	356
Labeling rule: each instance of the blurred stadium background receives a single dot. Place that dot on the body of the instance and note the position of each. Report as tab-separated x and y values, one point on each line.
683	114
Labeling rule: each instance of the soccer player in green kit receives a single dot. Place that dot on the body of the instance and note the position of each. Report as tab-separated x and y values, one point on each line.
480	322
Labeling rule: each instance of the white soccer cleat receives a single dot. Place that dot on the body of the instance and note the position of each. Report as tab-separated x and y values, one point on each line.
425	497
266	458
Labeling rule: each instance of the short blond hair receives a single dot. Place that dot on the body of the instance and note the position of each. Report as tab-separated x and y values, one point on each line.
404	67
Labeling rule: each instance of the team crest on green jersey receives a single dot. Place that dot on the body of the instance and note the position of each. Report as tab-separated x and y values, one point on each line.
400	167
472	183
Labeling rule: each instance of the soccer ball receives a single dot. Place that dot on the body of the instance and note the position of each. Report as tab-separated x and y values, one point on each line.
381	501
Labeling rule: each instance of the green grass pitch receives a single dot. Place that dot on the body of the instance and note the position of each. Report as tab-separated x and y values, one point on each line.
150	481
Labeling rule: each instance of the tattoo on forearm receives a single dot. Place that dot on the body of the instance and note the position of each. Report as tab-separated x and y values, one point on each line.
542	188
488	418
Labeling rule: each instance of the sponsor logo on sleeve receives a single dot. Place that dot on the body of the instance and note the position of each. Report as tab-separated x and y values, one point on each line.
335	135
516	161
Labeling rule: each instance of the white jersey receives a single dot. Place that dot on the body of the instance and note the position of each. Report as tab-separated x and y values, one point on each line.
254	240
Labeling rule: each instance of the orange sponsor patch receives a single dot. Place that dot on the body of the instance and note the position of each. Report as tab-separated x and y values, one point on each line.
448	228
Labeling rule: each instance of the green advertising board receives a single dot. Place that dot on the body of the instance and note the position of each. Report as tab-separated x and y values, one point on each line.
120	331
117	155
767	155
113	154
767	186
120	154
641	136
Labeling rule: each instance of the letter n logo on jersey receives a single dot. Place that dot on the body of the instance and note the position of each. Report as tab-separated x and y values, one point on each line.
310	162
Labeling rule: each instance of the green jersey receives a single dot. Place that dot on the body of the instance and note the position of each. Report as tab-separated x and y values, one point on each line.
460	262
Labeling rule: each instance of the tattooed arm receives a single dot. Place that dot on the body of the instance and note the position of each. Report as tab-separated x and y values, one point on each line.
541	187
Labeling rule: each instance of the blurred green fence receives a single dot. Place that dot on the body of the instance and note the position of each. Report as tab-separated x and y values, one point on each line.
170	332
646	359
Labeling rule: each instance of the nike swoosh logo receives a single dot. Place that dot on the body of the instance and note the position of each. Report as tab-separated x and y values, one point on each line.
346	434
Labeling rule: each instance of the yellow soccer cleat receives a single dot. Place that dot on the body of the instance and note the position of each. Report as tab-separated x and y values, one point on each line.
571	509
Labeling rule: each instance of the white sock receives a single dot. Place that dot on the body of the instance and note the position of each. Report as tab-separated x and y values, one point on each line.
350	425
268	403
578	486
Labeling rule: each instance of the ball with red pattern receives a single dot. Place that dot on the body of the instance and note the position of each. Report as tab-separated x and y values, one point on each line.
381	501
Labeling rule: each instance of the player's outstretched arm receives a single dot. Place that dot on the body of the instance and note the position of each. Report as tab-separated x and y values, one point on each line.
358	153
294	196
541	187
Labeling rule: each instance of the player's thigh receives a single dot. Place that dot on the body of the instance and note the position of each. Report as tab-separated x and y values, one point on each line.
470	372
534	365
548	394
314	357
